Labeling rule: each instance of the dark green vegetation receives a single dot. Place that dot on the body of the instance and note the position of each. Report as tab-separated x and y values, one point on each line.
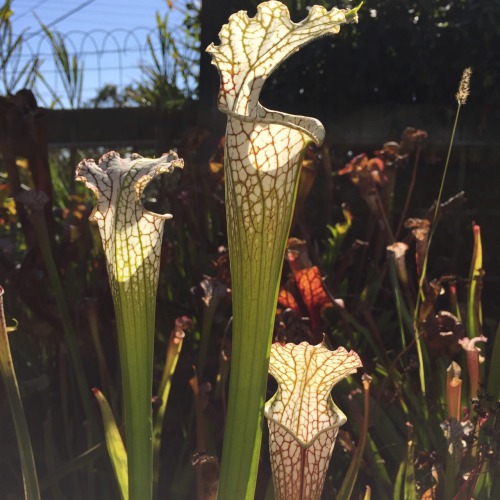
406	450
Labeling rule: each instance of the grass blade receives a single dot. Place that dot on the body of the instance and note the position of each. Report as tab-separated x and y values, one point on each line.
114	443
352	473
30	480
173	352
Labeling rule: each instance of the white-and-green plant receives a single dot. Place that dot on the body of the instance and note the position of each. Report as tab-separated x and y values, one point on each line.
131	237
303	420
263	156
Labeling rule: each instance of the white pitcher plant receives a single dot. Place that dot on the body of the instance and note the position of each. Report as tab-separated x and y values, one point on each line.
263	157
131	237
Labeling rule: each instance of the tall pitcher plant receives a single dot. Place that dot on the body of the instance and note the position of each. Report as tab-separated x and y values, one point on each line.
131	237
263	155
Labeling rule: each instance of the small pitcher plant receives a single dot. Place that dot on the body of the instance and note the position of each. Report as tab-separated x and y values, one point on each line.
131	237
303	420
263	156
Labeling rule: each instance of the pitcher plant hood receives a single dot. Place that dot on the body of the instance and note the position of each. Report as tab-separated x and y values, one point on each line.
131	235
250	50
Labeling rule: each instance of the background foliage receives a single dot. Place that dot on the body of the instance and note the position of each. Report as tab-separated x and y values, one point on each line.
399	53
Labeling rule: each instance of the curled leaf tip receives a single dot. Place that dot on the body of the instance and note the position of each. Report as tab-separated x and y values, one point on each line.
352	15
113	172
251	48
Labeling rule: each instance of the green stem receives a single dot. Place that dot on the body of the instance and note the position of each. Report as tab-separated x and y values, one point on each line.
474	319
355	465
42	235
135	311
257	240
421	367
104	373
443	179
206	330
30	480
249	364
173	352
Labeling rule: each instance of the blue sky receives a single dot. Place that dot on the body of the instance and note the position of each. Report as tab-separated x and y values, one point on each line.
99	30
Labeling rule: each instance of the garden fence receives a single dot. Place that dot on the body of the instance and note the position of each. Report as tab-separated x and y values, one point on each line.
107	57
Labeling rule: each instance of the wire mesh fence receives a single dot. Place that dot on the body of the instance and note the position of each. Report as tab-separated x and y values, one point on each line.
119	57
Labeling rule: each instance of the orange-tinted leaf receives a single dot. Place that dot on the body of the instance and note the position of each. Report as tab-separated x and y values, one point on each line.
313	292
287	300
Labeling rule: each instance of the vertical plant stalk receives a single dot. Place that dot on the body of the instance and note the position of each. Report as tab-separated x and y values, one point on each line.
214	292
454	390
104	374
173	352
263	154
357	459
8	373
461	98
397	268
473	361
409	193
474	313
303	420
200	394
131	237
34	202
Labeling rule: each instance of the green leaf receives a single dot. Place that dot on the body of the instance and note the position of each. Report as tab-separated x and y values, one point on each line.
8	375
173	352
352	473
410	489
398	484
114	443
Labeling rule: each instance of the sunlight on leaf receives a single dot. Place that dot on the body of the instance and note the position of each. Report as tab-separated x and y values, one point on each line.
114	443
131	234
131	237
262	161
248	53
